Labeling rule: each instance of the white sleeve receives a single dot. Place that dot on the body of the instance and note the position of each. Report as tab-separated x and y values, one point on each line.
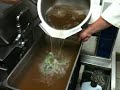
112	14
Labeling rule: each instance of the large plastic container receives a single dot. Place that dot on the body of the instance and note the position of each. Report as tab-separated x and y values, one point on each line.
43	6
87	86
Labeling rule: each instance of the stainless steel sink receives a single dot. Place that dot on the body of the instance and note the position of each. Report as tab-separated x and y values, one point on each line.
36	52
108	66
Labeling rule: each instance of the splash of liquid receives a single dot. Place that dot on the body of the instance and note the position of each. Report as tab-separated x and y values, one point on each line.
51	66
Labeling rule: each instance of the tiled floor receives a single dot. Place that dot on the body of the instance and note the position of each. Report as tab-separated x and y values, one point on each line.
118	76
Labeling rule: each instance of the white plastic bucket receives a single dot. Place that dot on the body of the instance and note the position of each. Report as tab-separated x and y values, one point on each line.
44	5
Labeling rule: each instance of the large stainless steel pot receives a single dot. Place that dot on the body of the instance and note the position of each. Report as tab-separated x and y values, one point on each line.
44	5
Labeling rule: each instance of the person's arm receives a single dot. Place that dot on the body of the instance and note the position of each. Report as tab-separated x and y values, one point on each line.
111	16
11	1
98	25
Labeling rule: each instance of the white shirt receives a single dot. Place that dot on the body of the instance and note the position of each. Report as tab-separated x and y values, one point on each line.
112	14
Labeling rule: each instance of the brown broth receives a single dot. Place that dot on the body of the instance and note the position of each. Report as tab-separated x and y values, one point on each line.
32	79
65	16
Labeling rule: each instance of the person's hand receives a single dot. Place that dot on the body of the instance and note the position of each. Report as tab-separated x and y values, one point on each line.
98	25
84	35
11	1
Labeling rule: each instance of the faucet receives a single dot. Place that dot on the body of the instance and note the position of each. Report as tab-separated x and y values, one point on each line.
21	32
